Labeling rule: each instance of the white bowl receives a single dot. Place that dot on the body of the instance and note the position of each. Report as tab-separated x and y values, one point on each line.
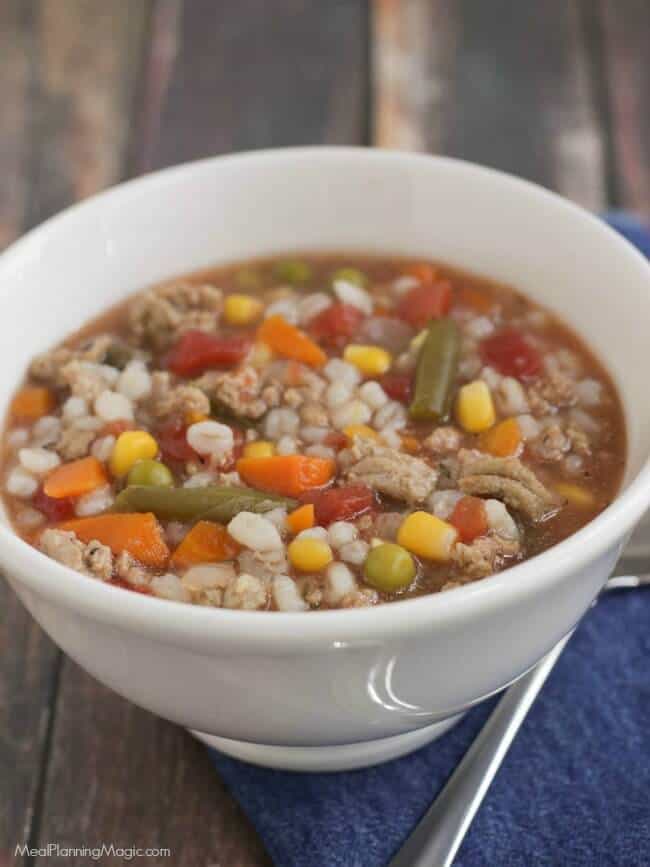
339	688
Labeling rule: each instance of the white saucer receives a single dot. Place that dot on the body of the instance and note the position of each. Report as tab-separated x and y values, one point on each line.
337	758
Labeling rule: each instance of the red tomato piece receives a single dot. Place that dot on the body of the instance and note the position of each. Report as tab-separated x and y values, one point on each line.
172	439
398	386
340	504
197	351
510	354
55	510
423	303
469	518
338	322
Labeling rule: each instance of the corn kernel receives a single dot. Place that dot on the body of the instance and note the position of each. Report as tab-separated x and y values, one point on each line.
474	407
370	360
360	430
241	309
193	417
576	495
427	536
132	446
309	555
259	449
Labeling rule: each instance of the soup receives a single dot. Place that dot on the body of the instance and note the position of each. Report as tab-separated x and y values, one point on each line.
317	432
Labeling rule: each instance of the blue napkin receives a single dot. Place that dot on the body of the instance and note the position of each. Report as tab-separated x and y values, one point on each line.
574	789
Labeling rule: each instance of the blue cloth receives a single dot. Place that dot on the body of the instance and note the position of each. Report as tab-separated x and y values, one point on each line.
573	790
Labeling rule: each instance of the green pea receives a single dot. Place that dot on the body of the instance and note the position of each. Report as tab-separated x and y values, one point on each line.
151	474
249	279
389	568
292	271
351	275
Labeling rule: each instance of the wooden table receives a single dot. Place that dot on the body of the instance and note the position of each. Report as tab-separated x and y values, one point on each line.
94	91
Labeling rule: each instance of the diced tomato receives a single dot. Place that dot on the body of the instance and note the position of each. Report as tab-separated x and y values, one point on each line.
469	518
337	323
197	351
426	302
509	353
398	386
340	504
55	510
172	439
336	440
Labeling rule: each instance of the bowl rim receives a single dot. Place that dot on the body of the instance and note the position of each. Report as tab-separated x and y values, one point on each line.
196	626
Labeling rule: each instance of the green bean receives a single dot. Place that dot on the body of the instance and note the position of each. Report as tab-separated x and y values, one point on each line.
292	271
351	275
436	372
211	503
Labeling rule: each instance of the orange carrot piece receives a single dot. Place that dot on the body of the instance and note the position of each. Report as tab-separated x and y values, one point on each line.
206	542
75	478
302	518
411	444
289	475
290	342
32	402
502	440
139	533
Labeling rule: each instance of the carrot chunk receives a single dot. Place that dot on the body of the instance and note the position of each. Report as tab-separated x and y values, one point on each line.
290	342
302	518
289	475
32	402
206	542
75	478
502	440
138	533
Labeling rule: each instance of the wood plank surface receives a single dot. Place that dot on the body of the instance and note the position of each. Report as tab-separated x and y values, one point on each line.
67	84
27	657
626	72
503	84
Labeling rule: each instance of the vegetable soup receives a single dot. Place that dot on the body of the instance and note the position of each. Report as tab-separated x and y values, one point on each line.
319	432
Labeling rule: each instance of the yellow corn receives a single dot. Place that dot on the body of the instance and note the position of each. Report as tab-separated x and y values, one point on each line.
309	555
427	536
241	309
193	417
370	360
474	407
132	446
360	430
259	449
576	495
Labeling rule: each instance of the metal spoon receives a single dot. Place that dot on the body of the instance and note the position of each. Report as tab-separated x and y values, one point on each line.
437	837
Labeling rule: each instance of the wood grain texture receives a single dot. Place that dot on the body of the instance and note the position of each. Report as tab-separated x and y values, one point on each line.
67	77
120	775
258	74
626	48
504	84
28	660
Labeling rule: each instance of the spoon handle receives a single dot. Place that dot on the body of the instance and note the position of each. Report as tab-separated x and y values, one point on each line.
437	837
